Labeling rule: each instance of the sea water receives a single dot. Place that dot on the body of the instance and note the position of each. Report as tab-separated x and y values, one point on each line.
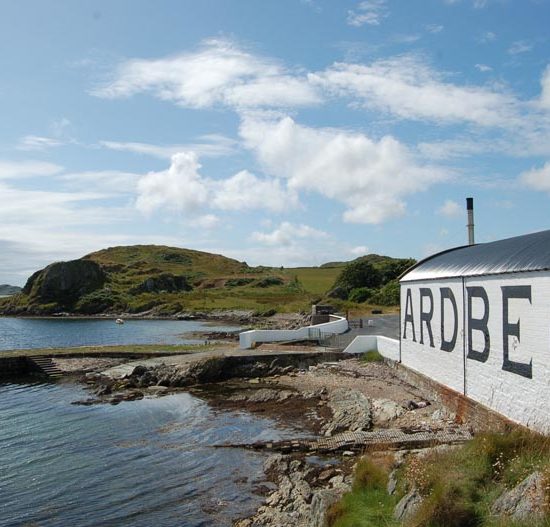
23	333
151	462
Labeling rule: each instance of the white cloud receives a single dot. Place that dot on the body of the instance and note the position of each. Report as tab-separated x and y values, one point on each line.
450	208
181	188
245	191
36	142
219	72
434	28
206	221
287	234
537	178
111	181
520	46
488	36
410	88
360	250
370	12
21	169
370	178
212	146
483	68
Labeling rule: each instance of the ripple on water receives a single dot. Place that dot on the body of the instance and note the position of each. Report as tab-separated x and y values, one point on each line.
142	463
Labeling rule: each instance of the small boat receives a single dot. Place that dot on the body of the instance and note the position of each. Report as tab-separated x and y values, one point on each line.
119	321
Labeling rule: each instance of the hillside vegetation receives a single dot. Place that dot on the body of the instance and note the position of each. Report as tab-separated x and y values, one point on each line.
166	280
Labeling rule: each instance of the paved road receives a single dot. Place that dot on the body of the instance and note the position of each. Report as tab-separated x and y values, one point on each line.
386	325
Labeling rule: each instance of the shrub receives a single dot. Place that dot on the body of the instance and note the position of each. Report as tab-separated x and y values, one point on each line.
238	282
358	274
361	294
387	295
269	281
97	302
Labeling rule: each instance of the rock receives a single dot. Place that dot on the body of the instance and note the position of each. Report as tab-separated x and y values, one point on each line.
385	410
320	503
275	463
139	371
163	282
525	501
407	506
351	412
157	389
392	482
263	395
63	283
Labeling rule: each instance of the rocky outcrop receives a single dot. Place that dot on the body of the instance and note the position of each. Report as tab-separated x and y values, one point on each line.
63	283
351	412
407	506
164	282
525	501
303	494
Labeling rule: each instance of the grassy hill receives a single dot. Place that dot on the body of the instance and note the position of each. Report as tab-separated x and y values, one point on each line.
168	280
6	289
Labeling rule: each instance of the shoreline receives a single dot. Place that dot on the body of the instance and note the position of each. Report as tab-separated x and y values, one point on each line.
340	407
326	395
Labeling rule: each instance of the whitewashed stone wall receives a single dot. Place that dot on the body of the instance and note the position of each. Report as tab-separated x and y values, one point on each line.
501	354
388	348
247	339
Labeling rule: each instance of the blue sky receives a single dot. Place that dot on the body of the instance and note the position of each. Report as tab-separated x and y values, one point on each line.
279	132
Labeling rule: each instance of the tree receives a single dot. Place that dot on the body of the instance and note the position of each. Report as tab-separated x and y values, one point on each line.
359	274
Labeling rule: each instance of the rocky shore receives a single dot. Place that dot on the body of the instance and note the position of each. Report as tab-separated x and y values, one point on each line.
349	404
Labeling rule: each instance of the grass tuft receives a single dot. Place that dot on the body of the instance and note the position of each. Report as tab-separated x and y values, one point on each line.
372	356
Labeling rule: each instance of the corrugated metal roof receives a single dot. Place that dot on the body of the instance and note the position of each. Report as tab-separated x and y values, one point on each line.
530	252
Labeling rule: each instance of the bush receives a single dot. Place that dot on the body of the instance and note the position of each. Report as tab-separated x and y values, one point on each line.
238	282
269	281
387	295
361	294
359	274
97	302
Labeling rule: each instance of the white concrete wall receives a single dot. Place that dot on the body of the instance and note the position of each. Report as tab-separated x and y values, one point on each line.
388	348
517	387
247	339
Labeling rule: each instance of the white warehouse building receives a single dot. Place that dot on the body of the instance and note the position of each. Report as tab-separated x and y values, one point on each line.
476	319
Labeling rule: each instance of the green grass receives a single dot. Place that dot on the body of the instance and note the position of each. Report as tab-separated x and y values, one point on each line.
315	280
133	349
459	485
368	504
372	356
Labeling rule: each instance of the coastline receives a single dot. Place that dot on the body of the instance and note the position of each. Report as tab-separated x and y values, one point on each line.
323	394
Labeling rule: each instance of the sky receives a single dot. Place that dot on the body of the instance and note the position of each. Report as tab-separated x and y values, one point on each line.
276	132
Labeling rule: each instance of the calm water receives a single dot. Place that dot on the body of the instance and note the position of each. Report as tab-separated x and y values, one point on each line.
23	333
141	463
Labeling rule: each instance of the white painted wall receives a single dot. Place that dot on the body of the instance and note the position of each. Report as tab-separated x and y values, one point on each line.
447	367
388	348
247	339
522	397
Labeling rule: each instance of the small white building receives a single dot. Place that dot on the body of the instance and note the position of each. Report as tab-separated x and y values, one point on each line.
477	320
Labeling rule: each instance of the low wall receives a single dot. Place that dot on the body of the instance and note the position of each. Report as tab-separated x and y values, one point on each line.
388	348
14	367
248	339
